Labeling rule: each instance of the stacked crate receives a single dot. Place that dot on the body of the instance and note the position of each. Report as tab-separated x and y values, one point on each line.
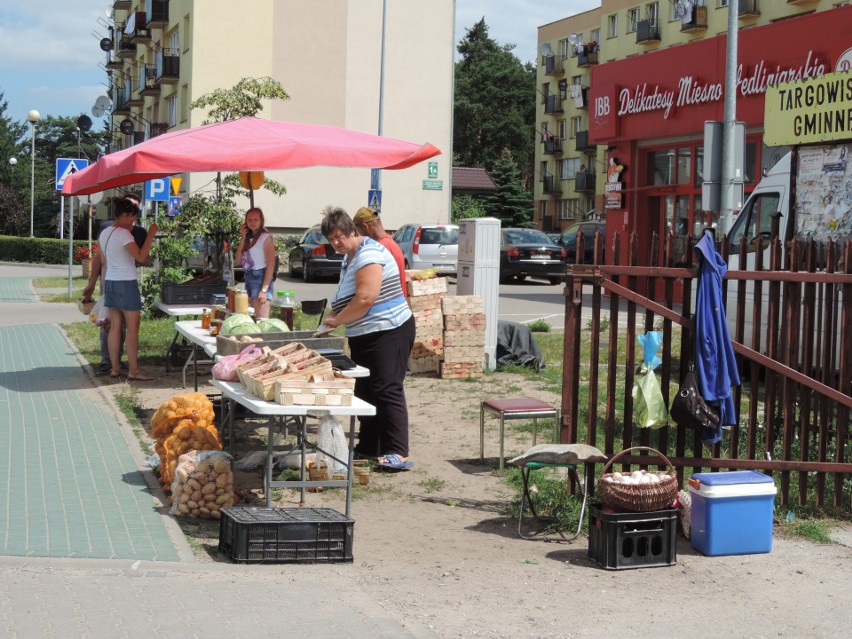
424	298
464	336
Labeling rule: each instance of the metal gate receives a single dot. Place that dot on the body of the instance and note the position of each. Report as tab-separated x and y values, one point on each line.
791	326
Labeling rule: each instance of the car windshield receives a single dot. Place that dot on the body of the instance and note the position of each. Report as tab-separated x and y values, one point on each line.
439	236
527	236
314	238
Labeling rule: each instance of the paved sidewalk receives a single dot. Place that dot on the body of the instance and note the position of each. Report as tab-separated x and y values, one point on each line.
85	547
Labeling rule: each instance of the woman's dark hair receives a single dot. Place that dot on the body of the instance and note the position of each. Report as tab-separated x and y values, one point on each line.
336	219
125	206
251	240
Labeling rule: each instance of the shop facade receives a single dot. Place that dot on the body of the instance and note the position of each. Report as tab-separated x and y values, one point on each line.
649	112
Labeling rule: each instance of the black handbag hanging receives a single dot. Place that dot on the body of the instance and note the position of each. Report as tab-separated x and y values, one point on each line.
690	410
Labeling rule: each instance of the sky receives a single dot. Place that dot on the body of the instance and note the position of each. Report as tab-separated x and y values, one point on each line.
49	52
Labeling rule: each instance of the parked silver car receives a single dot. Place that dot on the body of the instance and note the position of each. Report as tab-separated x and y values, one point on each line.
429	246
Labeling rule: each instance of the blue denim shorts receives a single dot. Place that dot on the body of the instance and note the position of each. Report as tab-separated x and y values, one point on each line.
122	295
254	282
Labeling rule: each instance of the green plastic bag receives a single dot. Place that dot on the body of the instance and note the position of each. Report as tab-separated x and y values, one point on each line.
649	407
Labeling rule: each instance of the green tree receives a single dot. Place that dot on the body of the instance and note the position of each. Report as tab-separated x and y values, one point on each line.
494	104
511	202
465	207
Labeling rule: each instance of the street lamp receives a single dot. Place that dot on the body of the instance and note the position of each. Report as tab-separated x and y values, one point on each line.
12	163
33	116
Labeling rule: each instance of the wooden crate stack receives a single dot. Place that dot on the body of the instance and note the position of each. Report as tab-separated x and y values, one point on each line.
424	298
464	336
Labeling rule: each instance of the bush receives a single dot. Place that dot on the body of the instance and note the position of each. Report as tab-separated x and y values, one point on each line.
539	326
37	250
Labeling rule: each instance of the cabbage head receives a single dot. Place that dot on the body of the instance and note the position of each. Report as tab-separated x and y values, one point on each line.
273	325
237	319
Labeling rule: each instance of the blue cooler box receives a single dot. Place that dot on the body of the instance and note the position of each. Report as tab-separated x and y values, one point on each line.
732	512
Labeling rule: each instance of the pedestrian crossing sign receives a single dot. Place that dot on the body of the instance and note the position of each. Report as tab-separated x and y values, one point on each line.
66	167
374	200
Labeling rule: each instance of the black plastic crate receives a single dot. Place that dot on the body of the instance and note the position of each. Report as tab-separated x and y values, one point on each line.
172	293
285	535
632	540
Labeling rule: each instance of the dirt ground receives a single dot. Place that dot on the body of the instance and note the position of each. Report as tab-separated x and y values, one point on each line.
434	548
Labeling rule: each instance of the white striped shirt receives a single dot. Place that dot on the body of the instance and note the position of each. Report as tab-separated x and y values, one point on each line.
390	309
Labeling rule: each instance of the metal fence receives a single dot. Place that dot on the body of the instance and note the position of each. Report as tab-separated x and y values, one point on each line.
791	325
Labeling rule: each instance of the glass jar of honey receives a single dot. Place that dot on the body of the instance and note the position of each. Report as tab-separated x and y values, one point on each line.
205	318
215	326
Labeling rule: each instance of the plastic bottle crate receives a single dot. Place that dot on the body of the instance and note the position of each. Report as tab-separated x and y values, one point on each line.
172	293
285	535
632	540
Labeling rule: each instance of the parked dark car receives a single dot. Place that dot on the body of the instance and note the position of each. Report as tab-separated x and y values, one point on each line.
568	239
312	256
528	252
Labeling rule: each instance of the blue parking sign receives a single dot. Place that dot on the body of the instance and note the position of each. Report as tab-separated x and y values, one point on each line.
157	190
174	205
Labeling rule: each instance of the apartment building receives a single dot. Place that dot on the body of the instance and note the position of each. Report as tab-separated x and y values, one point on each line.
626	89
163	54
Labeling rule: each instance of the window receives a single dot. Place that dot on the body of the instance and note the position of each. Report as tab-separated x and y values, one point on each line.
568	168
184	103
563	129
596	36
570	209
545	133
576	125
612	26
721	3
543	208
171	117
545	91
577	79
632	20
174	42
755	220
653	12
564	49
542	170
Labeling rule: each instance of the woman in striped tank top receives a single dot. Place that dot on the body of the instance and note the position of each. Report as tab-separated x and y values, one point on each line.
380	329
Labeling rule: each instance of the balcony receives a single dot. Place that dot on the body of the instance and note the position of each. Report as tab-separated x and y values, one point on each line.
646	33
582	142
119	101
553	65
697	22
114	62
168	66
147	85
550	185
138	137
121	5
135	99
552	146
748	9
139	33
157	128
584	181
587	59
578	95
157	14
125	48
552	104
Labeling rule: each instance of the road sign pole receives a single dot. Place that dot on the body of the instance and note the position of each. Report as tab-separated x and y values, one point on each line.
61	217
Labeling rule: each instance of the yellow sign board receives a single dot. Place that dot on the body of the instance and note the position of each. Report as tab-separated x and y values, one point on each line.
808	111
175	185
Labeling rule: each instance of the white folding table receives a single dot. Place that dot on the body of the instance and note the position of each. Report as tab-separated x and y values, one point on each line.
192	331
236	393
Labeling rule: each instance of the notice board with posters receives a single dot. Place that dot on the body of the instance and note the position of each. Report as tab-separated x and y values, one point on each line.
824	192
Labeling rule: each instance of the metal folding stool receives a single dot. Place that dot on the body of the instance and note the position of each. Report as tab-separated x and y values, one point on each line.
511	409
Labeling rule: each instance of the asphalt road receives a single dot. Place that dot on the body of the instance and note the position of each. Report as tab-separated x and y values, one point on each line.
524	303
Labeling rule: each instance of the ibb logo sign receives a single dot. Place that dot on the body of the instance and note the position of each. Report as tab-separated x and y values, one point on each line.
602	106
844	62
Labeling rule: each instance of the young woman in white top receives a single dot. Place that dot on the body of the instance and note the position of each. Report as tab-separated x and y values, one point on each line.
119	254
256	254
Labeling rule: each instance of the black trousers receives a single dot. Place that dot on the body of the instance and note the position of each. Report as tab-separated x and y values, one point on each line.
385	353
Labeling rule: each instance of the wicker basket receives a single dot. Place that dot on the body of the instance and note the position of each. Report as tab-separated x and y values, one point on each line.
85	307
637	498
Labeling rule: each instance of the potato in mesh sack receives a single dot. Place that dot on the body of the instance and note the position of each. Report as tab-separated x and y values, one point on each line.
194	406
203	484
185	438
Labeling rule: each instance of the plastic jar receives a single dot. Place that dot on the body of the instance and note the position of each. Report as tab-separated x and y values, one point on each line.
241	301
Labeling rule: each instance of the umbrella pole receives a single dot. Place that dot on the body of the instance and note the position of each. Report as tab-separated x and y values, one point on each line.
251	196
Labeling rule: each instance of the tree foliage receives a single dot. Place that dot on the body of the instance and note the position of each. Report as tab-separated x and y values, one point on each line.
511	203
243	99
466	206
494	104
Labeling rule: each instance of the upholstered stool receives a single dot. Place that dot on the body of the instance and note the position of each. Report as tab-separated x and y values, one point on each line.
517	408
557	456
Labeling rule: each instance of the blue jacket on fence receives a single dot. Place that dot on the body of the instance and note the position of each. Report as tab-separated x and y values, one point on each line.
715	364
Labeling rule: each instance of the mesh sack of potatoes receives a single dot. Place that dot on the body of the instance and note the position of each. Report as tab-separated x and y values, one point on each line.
203	484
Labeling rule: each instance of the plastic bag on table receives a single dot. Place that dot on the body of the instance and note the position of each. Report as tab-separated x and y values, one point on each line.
203	485
649	407
226	368
332	441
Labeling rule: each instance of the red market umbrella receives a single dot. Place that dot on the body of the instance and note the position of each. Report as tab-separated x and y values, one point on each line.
247	144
